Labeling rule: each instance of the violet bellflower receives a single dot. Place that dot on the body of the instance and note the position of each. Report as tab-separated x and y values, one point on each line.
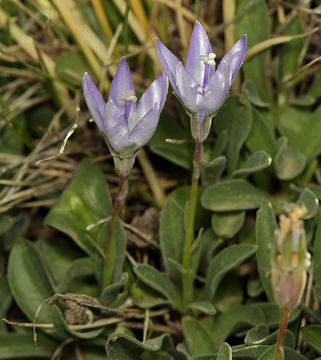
200	86
126	126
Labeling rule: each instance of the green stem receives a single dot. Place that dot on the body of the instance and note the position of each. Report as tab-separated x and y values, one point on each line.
188	279
279	355
108	266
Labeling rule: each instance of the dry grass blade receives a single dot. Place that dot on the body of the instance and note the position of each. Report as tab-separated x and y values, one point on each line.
256	49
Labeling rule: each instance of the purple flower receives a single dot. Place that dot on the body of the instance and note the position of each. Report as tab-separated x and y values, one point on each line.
125	125
201	86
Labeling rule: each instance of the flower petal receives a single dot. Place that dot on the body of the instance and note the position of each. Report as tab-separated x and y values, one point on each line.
217	89
115	127
122	84
235	56
168	61
156	92
189	89
199	45
94	100
145	127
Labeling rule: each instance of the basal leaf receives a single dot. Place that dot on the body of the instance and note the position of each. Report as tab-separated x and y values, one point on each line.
84	202
29	280
21	346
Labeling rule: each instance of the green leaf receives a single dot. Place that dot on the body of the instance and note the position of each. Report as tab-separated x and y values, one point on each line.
289	162
29	281
84	202
59	253
226	225
257	335
255	17
203	306
197	339
262	135
224	352
315	88
145	297
233	320
256	162
159	282
71	66
250	90
308	199
310	143
171	233
6	223
182	196
110	293
232	195
226	260
289	354
211	172
312	335
179	154
265	230
79	268
241	352
291	50
21	346
317	256
303	100
64	331
121	346
260	335
272	313
5	301
291	122
235	119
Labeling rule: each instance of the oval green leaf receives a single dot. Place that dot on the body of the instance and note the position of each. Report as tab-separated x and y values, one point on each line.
232	195
29	280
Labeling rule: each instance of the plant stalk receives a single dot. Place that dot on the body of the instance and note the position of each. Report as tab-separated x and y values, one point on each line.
188	280
112	226
279	355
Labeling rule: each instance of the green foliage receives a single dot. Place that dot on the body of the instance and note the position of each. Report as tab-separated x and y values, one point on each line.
263	151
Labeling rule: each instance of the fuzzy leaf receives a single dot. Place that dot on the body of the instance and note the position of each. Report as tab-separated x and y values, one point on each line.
226	260
265	229
29	280
232	195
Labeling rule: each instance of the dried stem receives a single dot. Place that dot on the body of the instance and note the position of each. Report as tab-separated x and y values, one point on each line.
279	355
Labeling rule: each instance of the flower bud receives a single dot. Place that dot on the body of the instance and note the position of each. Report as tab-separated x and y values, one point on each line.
291	258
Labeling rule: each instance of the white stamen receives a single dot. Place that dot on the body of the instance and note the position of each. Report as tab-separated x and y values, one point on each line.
128	96
210	59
